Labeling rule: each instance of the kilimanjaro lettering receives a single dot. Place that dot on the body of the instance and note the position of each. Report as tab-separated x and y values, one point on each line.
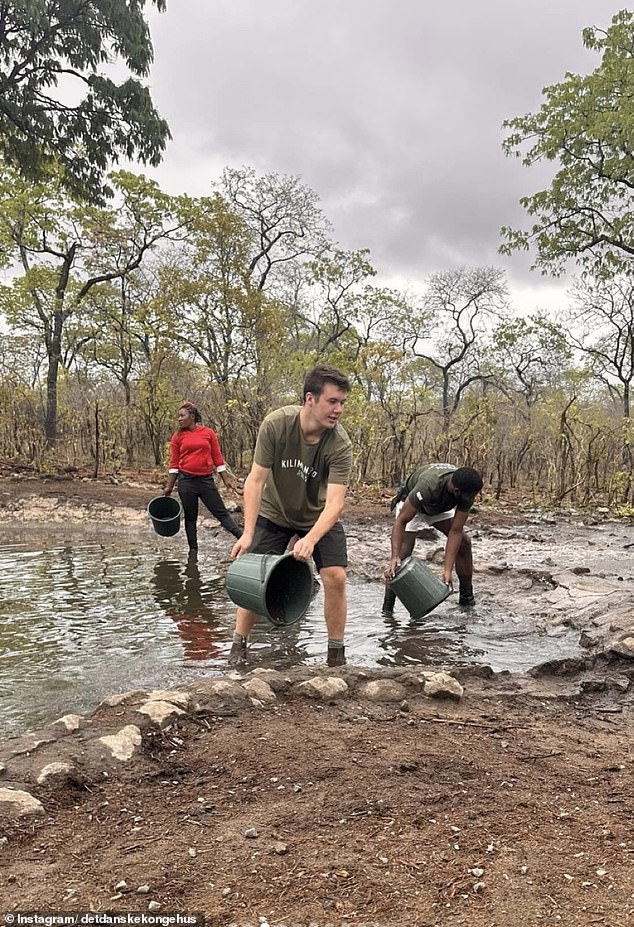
303	470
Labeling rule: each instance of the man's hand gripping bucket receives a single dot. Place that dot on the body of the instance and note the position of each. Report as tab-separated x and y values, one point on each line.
418	588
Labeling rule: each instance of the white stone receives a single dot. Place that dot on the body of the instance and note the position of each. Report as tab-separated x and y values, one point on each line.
383	690
442	685
123	745
260	690
326	687
182	699
21	803
162	713
70	722
224	688
54	769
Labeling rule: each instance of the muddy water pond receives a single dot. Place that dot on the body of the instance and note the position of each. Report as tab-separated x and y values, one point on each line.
85	613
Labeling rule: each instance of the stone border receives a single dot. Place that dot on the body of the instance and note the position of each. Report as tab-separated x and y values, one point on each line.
75	750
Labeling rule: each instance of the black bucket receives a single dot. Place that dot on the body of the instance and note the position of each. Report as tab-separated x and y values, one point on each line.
165	512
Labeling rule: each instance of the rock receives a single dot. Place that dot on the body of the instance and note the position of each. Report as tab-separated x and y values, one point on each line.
209	692
154	906
383	690
70	722
624	647
587	639
161	713
272	677
260	690
58	772
124	744
251	833
114	701
14	803
324	687
605	684
121	886
143	889
280	848
567	666
442	685
174	696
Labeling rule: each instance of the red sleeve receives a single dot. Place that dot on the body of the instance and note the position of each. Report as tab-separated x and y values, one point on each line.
216	453
175	450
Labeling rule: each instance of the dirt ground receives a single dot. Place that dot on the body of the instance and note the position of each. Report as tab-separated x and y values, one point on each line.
502	809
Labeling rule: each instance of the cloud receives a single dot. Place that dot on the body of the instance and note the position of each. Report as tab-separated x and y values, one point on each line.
391	111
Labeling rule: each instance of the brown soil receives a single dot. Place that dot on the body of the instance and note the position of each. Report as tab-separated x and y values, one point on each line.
134	489
501	810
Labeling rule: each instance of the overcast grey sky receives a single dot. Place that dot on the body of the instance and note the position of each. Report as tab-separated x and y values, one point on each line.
391	110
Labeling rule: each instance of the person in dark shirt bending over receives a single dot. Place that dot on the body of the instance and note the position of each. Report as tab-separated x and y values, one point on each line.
194	457
441	496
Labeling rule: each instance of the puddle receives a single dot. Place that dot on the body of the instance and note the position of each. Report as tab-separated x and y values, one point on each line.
80	621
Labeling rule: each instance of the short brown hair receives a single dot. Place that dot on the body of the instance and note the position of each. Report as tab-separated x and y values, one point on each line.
316	379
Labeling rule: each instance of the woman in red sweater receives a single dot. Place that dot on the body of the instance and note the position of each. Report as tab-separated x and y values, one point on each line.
194	457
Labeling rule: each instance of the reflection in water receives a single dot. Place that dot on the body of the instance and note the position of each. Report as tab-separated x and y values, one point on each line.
181	594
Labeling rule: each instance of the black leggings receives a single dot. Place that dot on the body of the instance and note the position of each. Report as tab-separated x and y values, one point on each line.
191	489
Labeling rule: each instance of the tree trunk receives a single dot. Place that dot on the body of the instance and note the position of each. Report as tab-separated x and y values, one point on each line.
54	360
97	442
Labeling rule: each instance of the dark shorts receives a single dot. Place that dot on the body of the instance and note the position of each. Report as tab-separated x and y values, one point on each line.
270	538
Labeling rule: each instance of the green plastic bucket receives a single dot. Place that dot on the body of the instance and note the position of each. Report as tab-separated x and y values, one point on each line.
277	587
165	512
418	587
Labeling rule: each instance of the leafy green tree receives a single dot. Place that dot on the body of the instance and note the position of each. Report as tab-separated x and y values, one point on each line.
57	105
205	288
602	328
67	252
529	354
586	126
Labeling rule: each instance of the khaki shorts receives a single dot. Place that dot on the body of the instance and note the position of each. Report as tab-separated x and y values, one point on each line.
420	521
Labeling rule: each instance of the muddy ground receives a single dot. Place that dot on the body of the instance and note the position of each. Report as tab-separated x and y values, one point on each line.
511	806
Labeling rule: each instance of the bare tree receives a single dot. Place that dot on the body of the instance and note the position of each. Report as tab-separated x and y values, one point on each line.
459	303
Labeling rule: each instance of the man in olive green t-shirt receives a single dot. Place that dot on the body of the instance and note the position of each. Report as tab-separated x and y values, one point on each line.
297	486
441	496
